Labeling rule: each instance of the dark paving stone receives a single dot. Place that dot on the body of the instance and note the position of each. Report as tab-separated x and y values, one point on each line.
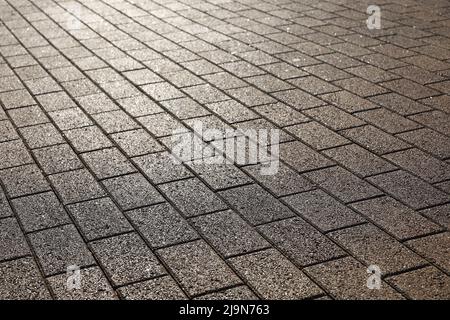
269	83
161	225
298	99
346	279
137	142
409	189
322	210
424	284
228	233
41	135
94	286
237	293
161	167
27	116
396	218
23	180
343	184
410	89
365	242
437	120
57	159
20	280
302	243
348	101
439	214
40	211
12	241
108	163
429	140
13	153
301	157
5	209
317	135
360	87
87	139
281	114
162	288
435	248
198	268
232	111
399	104
59	248
127	258
388	121
313	85
75	186
132	191
273	277
192	197
334	118
255	204
99	218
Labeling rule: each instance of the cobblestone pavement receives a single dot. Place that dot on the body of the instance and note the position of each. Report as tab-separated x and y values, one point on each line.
91	91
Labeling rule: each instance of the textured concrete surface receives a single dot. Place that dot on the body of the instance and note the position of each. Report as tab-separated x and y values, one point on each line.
91	92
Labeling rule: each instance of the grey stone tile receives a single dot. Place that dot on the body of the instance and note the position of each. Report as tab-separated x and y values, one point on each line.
12	242
387	120
57	159
27	116
273	277
56	101
348	101
439	214
16	99
5	209
87	139
79	88
185	108
70	118
115	121
39	86
236	293
334	118
107	163
301	157
137	142
139	105
42	135
162	288
429	140
298	99
162	124
13	153
317	135
399	104
23	180
281	114
250	96
127	258
96	103
162	91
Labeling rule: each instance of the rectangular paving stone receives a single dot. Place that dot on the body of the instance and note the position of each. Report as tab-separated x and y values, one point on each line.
87	139
436	120
439	214
57	159
41	135
236	293
127	258
198	268
322	210
281	114
16	99
162	124
107	163
399	104
13	153
360	87
388	121
365	242
228	233
39	86
343	184
162	91
59	248
334	118
137	142
255	204
161	225
346	279
298	99
70	118
428	140
12	242
5	209
96	103
274	277
27	116
82	87
23	180
300	241
348	101
75	186
115	121
21	280
301	157
249	96
192	197
162	288
317	135
139	105
410	89
410	190
232	111
434	247
99	218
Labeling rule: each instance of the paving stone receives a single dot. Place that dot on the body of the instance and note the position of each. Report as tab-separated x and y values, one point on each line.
70	119
439	214
96	103
115	121
192	197
139	105
360	87
75	186
399	104
410	89
66	74
27	116
94	286
198	268
270	83
333	117
301	157
13	153
57	159
59	248
440	102
410	190
327	72
16	99
388	121
228	233
236	293
161	225
437	120
283	70
317	135
250	96
298	99
421	164
348	101
87	139
232	111
55	101
23	180
5	209
346	279
285	181
434	247
281	114
13	243
162	91
424	284
136	142
20	280
429	140
224	80
314	85
162	124
162	288
108	163
255	204
161	167
300	241
273	277
142	76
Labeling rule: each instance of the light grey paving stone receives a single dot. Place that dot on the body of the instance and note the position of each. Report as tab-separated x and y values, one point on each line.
28	116
137	142
87	139
7	131
42	135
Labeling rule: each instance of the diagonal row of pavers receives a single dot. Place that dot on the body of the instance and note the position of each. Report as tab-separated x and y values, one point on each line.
92	90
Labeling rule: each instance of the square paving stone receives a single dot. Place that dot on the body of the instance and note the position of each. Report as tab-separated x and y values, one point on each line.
79	88
41	85
142	76
7	131
20	280
108	163
87	139
57	159
343	184
192	197
115	121
16	99
132	191
346	279
162	167
272	276
70	118
56	101
396	218
75	186
301	157
99	218
27	116
96	103
12	241
424	284
94	286
120	89
162	91
162	124
198	268
255	204
139	105
13	153
127	258
365	242
162	288
228	233
410	190
322	210
161	225
137	142
436	248
23	180
40	211
300	241
59	248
